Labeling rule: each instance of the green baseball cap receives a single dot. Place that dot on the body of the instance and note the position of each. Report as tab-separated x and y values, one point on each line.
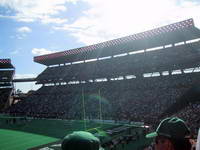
172	128
81	140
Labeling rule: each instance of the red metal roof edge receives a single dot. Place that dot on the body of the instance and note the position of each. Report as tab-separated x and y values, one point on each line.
5	61
168	28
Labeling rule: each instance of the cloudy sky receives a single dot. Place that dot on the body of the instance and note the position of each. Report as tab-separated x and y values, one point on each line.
30	28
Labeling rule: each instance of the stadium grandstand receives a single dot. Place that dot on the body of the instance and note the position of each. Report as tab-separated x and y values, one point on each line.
7	71
138	78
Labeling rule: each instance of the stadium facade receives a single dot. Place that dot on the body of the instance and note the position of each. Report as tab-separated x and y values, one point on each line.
7	71
135	78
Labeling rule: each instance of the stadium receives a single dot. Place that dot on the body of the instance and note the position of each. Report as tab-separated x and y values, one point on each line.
118	90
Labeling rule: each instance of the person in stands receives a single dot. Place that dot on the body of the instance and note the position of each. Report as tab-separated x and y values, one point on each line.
171	134
81	140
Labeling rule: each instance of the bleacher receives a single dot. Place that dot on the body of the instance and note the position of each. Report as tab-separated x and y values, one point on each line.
134	78
174	58
6	75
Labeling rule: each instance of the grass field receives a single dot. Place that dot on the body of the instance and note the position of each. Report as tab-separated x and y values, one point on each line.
17	140
36	132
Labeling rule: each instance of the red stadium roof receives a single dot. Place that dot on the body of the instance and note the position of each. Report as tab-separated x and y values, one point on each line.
173	33
5	63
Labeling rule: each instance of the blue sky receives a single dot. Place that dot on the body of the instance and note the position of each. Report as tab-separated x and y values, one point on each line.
34	27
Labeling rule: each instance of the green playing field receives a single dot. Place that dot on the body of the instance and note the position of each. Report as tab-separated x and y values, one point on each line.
31	133
17	140
34	132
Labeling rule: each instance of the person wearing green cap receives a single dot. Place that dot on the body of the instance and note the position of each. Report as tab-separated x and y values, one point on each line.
171	134
81	140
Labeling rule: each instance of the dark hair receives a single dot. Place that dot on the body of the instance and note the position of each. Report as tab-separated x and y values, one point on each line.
181	144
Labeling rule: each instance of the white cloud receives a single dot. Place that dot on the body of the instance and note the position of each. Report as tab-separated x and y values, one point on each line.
14	52
104	19
108	19
22	32
20	36
41	51
24	29
47	20
37	10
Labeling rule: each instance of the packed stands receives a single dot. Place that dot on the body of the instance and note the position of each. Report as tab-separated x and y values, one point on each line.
134	78
149	62
6	75
191	115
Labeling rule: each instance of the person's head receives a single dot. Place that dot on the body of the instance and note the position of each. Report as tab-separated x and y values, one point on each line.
171	134
81	140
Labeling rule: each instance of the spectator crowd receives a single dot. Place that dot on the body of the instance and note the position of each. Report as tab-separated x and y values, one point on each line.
140	99
130	100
